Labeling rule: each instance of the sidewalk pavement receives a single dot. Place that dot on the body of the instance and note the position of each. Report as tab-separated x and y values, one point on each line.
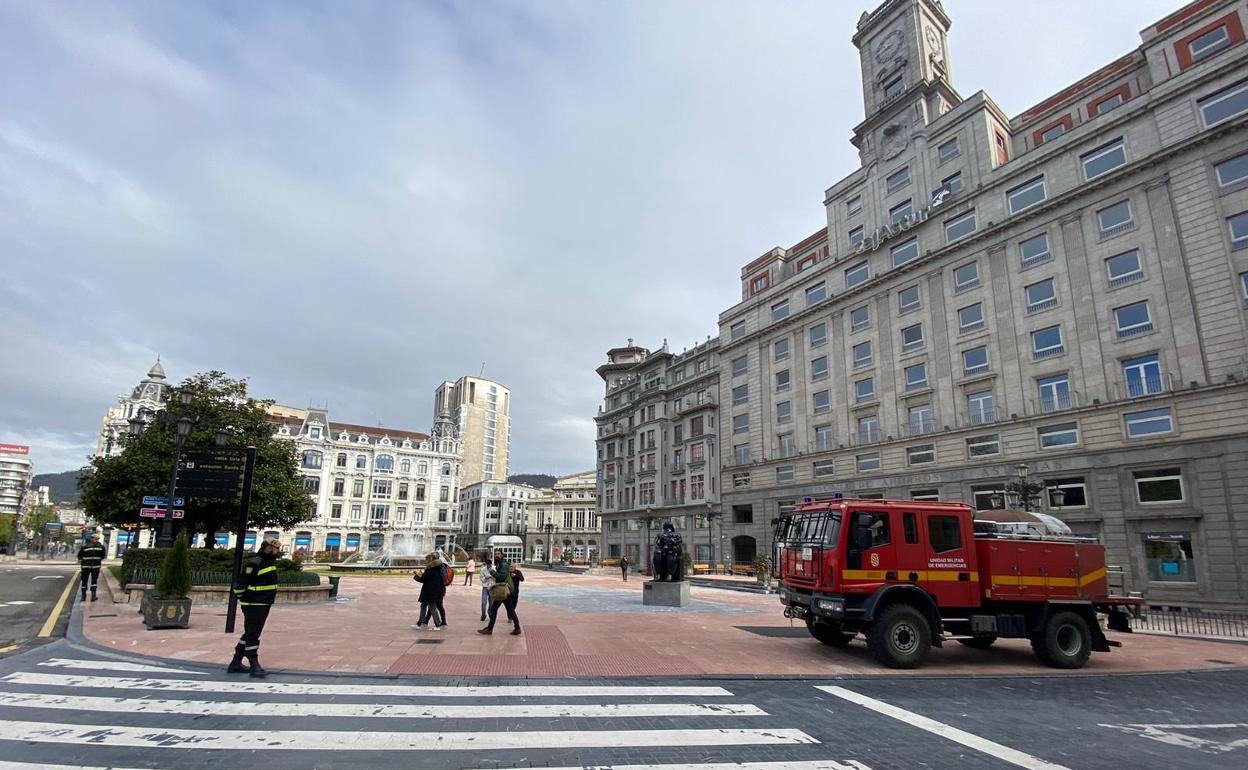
586	625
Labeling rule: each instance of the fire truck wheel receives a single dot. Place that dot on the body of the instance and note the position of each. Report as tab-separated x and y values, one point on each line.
899	637
829	634
1065	643
978	642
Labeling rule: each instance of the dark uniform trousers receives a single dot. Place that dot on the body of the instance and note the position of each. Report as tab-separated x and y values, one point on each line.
255	588
93	576
254	616
90	557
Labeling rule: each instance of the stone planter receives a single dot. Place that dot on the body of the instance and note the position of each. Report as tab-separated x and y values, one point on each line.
166	613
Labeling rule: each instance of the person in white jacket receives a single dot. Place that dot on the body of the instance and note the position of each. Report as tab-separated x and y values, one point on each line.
487	582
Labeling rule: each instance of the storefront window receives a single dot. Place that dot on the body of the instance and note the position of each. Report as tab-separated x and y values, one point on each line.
1169	558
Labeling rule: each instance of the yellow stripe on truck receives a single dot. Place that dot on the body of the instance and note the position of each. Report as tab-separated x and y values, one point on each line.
1092	577
935	575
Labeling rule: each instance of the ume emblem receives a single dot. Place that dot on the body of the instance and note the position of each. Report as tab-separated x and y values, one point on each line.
875	560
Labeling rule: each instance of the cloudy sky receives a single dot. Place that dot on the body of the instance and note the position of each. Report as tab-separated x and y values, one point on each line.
348	203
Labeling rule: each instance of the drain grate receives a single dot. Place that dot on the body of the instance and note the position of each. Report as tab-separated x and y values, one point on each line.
1223	662
428	641
776	631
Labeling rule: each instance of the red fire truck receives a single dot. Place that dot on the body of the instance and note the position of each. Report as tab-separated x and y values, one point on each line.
911	574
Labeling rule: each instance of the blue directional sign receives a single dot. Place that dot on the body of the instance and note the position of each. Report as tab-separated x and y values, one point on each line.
151	500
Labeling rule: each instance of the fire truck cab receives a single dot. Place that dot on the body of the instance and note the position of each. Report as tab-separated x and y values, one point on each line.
911	574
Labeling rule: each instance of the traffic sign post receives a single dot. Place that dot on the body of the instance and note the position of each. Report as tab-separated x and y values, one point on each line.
215	474
244	510
153	501
159	513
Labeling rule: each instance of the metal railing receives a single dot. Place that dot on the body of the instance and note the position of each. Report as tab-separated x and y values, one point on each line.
1210	623
147	576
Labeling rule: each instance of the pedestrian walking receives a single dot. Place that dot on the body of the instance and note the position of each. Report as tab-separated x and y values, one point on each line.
624	567
471	568
487	582
256	587
503	588
432	590
517	577
90	557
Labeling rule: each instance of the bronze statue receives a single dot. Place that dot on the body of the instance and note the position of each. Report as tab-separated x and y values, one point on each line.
669	549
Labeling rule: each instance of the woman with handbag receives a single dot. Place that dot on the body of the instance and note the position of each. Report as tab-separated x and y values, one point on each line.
487	582
432	590
501	593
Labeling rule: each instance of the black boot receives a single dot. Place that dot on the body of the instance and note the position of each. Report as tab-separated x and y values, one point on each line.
236	663
93	596
257	671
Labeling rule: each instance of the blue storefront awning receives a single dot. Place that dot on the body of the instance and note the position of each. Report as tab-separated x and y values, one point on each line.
353	540
333	541
250	540
303	540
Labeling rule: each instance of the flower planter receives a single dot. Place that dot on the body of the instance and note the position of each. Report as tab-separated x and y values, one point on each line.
166	613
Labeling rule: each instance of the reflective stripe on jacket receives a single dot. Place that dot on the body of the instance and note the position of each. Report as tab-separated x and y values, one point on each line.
90	556
257	583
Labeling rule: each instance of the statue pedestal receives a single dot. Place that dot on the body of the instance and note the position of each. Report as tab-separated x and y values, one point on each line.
665	594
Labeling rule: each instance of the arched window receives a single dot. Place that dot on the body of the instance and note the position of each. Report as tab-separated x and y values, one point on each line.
311	459
422	468
446	469
342	460
384	463
361	461
405	466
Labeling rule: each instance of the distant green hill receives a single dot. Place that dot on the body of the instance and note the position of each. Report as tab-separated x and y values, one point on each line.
62	487
539	480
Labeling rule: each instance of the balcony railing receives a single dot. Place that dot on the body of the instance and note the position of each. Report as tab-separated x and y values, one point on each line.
1132	331
1056	350
1136	387
919	426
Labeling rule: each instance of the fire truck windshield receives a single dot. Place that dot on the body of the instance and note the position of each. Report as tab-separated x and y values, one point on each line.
812	528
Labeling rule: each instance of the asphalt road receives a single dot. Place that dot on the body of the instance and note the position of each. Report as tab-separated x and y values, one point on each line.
68	707
28	593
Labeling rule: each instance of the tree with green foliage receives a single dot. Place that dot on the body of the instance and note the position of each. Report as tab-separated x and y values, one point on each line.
174	579
113	487
6	530
36	521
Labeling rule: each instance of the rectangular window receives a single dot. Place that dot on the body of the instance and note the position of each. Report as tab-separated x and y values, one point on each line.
971	317
859	318
953	183
818	334
740	480
912	337
784	473
855	236
1169	557
1060	435
788	447
824	468
819	368
335	511
944	533
740	395
1149	423
947	150
1243	285
741	453
1035	250
857	274
1026	195
966	276
740	366
1143	376
924	494
959	226
1124	268
853	205
908	299
781	349
897	180
900	212
921	455
783	380
921	420
975	360
1238	226
1115	219
741	423
823	438
1047	342
1209	43
983	446
867	462
1052	133
1163	485
916	377
737	331
862	354
868	429
1054	392
1233	172
893	87
820	402
980	409
784	411
1132	319
780	311
1076	492
1104	159
816	293
1041	295
864	390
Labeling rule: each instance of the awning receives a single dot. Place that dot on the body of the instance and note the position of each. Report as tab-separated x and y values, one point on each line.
353	540
333	540
250	540
303	539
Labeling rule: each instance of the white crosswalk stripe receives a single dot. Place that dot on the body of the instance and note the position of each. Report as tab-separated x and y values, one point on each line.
160	717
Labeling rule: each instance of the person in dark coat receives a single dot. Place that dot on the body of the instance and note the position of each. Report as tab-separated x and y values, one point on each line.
517	577
502	574
624	568
432	591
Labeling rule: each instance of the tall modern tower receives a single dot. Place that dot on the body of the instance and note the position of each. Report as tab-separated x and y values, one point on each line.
481	408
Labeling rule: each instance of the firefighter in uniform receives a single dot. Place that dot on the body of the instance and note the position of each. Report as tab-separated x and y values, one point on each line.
90	557
255	587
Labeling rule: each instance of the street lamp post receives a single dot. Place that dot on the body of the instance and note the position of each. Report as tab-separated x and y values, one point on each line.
550	544
1025	493
711	515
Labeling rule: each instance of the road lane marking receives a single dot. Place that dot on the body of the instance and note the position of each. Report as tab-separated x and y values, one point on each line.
336	740
266	709
50	623
15	603
9	648
991	748
1171	735
426	691
48	577
814	764
116	665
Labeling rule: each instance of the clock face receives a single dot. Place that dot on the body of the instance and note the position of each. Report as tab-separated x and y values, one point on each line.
887	48
933	42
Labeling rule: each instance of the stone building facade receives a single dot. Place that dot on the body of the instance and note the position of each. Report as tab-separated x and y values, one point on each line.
1065	289
481	411
659	453
490	508
570	508
148	397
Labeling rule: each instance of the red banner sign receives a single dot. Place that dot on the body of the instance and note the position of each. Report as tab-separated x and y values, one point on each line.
14	449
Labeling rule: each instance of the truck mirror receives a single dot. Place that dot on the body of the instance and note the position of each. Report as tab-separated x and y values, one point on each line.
862	537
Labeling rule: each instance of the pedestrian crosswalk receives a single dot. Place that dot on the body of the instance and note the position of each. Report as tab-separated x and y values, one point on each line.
140	715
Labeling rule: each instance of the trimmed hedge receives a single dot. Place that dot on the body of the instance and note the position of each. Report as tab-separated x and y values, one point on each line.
202	560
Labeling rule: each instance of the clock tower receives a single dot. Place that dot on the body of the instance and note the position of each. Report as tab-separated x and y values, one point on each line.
906	80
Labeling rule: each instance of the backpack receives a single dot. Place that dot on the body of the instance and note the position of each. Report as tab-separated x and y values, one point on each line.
450	575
